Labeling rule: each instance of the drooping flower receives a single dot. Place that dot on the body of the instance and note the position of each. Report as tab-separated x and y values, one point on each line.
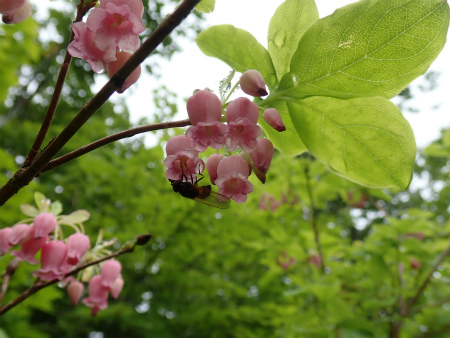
232	178
114	66
252	83
77	245
29	249
182	162
211	166
83	46
135	6
242	116
110	271
53	255
115	26
9	5
4	240
117	287
44	224
273	118
75	290
262	155
98	296
18	14
20	233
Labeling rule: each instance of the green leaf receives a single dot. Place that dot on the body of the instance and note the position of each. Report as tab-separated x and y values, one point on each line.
75	217
42	202
56	208
290	21
369	48
365	140
29	210
288	141
206	6
238	49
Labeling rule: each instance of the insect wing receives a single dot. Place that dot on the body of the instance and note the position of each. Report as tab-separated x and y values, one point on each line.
215	200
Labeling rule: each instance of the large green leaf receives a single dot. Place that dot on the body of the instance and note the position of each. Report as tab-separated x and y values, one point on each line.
369	48
287	141
237	48
290	21
365	140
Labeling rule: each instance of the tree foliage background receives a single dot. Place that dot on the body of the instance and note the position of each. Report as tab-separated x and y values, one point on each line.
251	271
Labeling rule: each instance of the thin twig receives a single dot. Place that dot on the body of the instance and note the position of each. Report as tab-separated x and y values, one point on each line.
112	138
82	9
25	175
38	285
314	217
6	277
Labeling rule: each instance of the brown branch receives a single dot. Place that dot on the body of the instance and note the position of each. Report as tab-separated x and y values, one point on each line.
112	138
38	285
6	277
25	175
82	9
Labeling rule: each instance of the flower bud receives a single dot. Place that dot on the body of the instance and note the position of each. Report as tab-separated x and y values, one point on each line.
75	290
252	83
18	14
211	166
204	106
110	271
117	286
262	155
77	245
273	118
9	5
114	66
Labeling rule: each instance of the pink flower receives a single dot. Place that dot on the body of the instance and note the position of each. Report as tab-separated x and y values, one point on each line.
135	6
75	290
44	224
117	287
211	166
83	46
182	161
9	5
177	143
110	271
18	14
262	155
273	118
20	233
232	178
114	66
242	116
252	83
207	134
115	26
98	296
204	106
53	255
77	246
4	240
29	249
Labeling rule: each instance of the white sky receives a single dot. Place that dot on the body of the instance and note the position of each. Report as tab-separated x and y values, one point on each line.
191	69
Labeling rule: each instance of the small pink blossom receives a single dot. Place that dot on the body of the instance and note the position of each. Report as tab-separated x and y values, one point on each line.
242	107
4	240
211	166
115	26
75	290
44	224
53	255
9	5
207	134
18	14
252	83
29	249
110	271
77	245
177	143
83	46
204	106
135	6
273	118
114	66
262	155
20	233
232	178
98	296
117	287
183	166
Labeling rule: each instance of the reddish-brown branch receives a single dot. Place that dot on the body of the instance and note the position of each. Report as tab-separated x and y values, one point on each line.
6	277
25	175
38	284
112	138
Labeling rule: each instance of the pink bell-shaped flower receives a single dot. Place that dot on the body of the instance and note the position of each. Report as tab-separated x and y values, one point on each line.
273	119
98	296
177	143
114	66
4	240
83	47
20	233
207	134
252	83
110	271
204	106
117	287
9	5
262	155
77	245
29	249
75	290
53	255
18	14
242	116
232	178
135	6
211	166
44	224
115	26
182	162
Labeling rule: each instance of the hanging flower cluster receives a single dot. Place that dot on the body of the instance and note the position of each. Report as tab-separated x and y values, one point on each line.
59	256
14	11
241	131
109	37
